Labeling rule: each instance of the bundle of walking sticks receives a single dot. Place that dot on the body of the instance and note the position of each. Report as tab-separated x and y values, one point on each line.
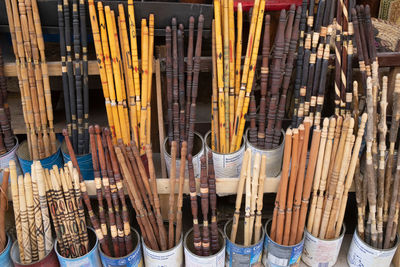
201	238
108	180
33	76
252	177
378	188
75	72
32	219
272	104
3	208
181	103
316	30
117	57
7	138
231	88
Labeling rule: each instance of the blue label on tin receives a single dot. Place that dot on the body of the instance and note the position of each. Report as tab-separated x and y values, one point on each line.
243	256
134	259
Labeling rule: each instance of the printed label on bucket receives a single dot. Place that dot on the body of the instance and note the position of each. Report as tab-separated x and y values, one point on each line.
199	261
133	260
277	255
243	256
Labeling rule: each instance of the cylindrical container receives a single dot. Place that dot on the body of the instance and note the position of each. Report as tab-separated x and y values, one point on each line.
5	260
225	165
239	255
49	260
168	258
198	150
191	259
90	259
319	252
84	161
279	255
47	163
362	254
10	155
274	156
133	259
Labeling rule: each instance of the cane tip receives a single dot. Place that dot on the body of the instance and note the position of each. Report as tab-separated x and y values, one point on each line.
106	131
168	29
201	18
325	124
97	129
65	132
364	118
292	7
191	20
91	129
173	21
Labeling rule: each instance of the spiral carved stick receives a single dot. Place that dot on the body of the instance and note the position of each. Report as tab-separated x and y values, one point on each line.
193	204
213	204
178	230
205	240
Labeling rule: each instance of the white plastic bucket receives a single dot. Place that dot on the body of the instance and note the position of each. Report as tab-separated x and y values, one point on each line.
193	260
362	254
274	156
10	155
320	252
168	258
198	150
226	165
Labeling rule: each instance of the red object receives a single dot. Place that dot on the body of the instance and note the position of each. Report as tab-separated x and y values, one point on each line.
270	5
49	260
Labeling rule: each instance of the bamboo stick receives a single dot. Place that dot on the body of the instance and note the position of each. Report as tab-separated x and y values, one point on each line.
172	175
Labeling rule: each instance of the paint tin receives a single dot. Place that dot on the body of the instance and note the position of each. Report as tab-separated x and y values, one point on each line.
84	161
133	259
49	260
278	255
239	255
274	156
193	260
5	260
226	165
47	163
168	258
90	259
10	155
319	252
362	254
198	150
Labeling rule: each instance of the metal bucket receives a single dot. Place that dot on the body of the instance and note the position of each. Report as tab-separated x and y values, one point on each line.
5	260
133	259
278	255
47	163
226	165
362	254
90	259
49	260
168	258
191	259
239	255
10	155
320	252
274	156
198	150
84	161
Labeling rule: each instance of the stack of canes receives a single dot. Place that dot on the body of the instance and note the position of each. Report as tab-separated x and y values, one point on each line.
33	76
75	72
181	92
206	241
127	86
252	177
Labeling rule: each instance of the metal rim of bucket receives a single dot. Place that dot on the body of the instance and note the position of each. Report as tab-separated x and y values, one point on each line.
14	259
343	231
378	249
77	258
242	246
58	144
247	142
204	257
266	233
64	150
127	255
163	251
195	134
217	153
12	149
8	246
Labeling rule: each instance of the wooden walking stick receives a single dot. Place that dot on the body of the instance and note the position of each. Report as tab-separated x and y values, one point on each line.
205	240
172	175
31	217
260	195
336	141
228	97
238	65
178	230
215	121
213	203
297	138
153	183
3	208
254	192
38	215
289	136
239	195
247	207
26	239
194	208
